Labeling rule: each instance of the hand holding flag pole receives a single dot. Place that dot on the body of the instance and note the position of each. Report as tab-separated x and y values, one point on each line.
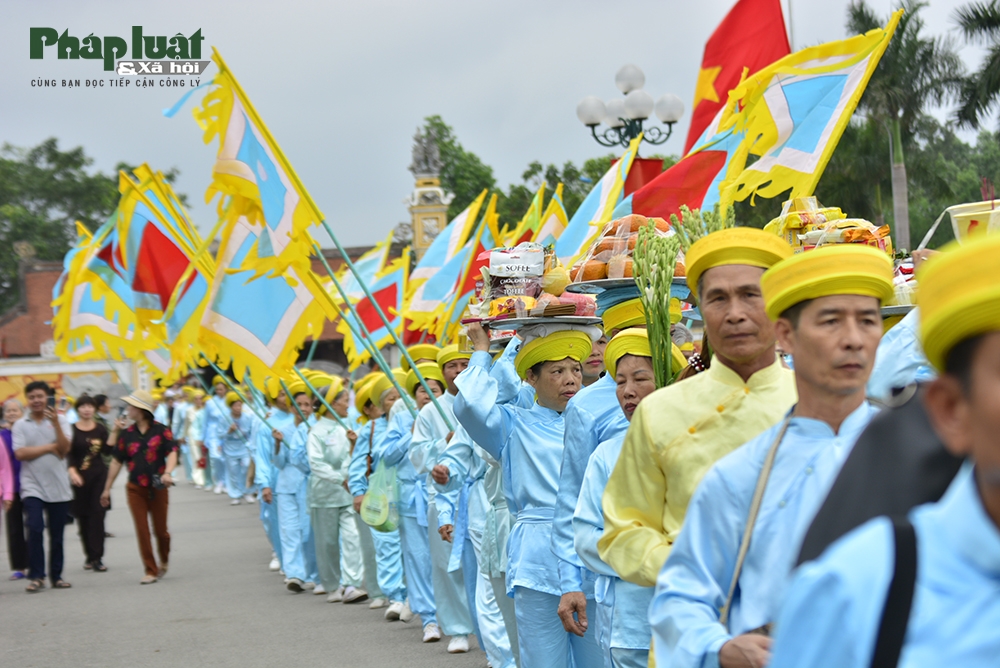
291	400
322	400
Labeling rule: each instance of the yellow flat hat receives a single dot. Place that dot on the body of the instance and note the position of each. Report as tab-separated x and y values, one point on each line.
272	387
188	391
218	379
959	296
334	387
385	383
839	269
232	398
735	245
297	387
156	394
552	348
362	394
367	378
624	315
199	394
428	371
626	342
449	353
420	351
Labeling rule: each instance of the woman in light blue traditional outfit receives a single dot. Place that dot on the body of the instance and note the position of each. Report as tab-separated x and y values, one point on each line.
430	438
330	504
236	449
286	448
213	430
622	623
394	451
376	399
528	442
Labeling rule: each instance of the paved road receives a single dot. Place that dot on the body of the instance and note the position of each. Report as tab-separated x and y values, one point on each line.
218	607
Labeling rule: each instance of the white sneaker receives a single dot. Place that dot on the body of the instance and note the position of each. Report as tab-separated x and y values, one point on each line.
218	488
432	633
275	565
234	502
354	594
392	614
406	615
377	603
336	596
319	590
294	585
458	645
309	585
249	498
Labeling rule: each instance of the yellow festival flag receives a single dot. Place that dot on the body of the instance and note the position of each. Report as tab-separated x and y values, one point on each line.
253	171
793	112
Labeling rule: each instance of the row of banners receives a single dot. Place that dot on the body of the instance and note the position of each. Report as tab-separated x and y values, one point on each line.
145	286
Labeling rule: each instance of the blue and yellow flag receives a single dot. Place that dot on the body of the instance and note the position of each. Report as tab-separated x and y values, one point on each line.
388	292
253	171
793	112
257	324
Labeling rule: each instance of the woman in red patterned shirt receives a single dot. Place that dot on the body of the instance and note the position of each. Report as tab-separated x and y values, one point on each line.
147	448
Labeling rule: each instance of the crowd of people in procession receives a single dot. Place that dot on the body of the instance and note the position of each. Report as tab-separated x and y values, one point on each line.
555	503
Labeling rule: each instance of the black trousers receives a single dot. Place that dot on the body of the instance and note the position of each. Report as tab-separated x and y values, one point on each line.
89	514
17	543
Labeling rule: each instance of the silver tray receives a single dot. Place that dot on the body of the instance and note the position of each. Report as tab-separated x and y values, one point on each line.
889	311
517	323
599	286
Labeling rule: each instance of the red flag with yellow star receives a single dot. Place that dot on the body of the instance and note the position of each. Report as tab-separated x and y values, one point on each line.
753	36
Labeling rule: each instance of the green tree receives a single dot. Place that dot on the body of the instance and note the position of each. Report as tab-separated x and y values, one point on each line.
980	23
463	173
43	192
915	71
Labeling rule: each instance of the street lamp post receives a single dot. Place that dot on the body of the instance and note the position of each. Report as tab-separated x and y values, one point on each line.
625	116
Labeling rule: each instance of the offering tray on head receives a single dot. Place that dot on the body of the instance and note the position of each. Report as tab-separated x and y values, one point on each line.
515	323
679	287
890	311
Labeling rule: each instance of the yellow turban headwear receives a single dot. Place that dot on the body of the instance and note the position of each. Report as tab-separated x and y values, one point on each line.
384	383
188	391
552	348
272	388
428	371
336	386
218	379
199	394
449	353
232	398
420	351
841	269
297	387
959	296
362	395
735	245
626	342
635	341
156	394
626	314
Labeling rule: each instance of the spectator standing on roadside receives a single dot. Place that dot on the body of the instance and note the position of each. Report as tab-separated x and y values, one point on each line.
149	451
41	443
88	473
17	545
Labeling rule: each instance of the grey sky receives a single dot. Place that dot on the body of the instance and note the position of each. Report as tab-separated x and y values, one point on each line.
343	85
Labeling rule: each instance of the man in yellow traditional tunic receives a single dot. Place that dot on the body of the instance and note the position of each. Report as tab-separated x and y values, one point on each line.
678	432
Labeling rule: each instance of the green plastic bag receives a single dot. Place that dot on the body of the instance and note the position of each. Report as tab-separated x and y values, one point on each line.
379	508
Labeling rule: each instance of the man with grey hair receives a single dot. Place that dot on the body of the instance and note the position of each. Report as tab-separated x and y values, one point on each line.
41	442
